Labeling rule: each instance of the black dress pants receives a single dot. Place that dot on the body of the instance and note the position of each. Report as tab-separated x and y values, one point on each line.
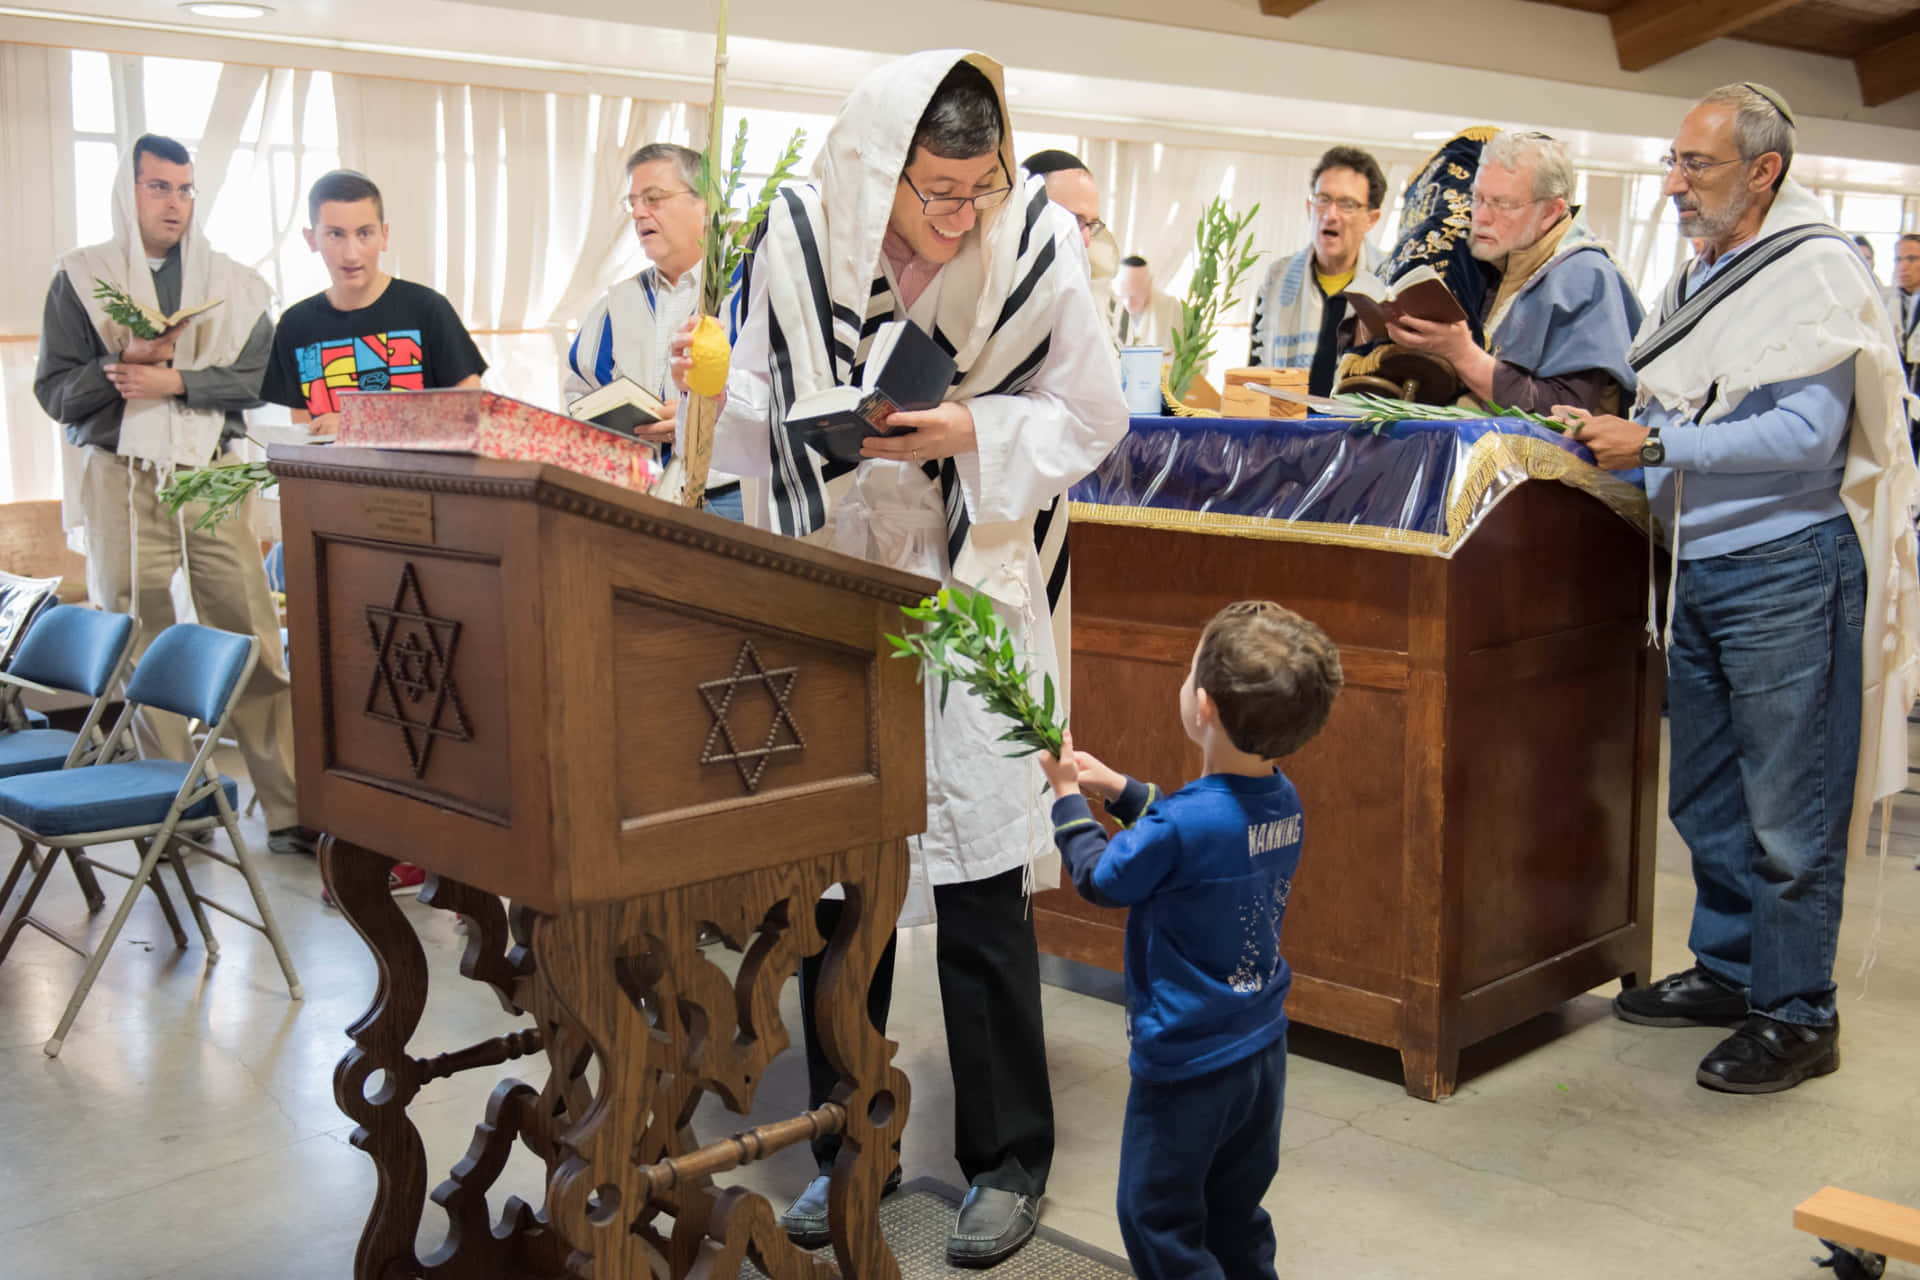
989	970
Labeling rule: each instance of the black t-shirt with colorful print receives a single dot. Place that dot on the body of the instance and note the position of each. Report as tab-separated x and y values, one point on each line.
409	338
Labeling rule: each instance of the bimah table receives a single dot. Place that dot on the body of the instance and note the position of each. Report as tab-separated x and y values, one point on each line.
630	721
1480	808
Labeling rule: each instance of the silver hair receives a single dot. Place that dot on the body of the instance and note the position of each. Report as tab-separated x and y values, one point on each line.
686	159
1762	122
1552	166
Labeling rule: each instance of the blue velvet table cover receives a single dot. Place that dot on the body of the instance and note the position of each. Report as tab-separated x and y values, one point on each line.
1415	487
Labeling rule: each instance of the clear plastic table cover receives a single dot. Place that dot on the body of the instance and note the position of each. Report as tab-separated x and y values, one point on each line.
1415	487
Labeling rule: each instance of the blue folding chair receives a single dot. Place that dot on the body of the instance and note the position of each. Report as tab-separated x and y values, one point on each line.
22	600
159	805
68	650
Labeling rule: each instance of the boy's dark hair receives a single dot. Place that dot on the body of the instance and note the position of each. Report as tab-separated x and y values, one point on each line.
1361	163
962	120
158	144
1133	260
343	186
1272	674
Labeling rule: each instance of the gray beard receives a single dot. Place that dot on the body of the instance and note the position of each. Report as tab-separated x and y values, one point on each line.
1714	227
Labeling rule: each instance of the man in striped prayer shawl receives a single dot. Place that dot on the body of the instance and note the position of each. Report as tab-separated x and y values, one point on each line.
915	213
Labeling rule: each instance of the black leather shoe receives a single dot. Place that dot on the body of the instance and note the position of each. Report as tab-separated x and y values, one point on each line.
805	1220
991	1226
1691	998
1766	1056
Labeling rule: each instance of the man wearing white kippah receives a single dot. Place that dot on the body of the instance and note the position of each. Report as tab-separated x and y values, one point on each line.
1770	421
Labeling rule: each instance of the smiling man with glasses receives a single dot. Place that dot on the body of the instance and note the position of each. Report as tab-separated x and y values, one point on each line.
1772	428
1562	315
910	217
1298	314
629	330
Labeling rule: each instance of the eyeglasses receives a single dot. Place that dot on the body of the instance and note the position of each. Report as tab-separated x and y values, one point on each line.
1346	207
1090	227
937	206
166	190
1501	206
650	199
1694	167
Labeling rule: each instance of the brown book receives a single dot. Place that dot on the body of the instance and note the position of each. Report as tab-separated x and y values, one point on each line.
1420	293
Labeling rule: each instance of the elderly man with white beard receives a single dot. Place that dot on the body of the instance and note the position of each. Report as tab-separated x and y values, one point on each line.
1770	422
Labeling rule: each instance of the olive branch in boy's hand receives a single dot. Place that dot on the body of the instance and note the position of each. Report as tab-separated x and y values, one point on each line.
963	639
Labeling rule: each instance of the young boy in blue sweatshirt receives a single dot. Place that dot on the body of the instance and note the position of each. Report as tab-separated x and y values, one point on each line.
1206	872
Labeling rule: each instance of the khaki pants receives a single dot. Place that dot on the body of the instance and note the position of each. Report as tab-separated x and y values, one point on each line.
229	588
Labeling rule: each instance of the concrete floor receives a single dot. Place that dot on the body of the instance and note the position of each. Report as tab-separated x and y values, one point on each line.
189	1128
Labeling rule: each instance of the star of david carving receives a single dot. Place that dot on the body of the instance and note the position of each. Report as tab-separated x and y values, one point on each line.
719	696
413	685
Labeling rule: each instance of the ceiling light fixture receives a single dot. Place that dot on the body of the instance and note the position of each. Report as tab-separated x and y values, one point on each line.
226	9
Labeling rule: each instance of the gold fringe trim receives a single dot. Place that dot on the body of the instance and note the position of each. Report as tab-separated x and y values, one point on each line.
1181	410
1261	528
1489	457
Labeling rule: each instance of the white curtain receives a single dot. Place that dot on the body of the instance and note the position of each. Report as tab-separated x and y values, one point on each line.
507	202
36	146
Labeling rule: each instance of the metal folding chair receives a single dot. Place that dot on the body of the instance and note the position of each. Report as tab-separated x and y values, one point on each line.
73	651
158	805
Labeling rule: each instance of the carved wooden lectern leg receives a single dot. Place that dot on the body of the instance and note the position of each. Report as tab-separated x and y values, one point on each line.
668	1025
627	984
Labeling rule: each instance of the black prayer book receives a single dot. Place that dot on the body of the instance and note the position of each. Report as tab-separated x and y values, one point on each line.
905	371
623	405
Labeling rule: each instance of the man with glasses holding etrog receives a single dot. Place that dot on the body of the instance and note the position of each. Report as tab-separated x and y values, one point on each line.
1298	315
627	332
1562	315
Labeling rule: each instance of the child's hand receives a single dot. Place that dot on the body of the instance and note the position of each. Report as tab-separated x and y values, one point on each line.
1100	778
1063	770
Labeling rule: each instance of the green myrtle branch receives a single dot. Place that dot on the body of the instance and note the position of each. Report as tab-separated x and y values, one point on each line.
1384	411
123	310
1222	241
963	639
223	488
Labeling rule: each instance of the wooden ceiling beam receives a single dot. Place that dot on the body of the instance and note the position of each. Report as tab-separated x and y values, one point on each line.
1889	71
1284	8
1646	32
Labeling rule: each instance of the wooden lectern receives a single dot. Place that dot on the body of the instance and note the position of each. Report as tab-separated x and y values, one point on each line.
630	720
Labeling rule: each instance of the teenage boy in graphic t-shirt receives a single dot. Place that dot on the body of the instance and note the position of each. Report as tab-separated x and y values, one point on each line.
368	331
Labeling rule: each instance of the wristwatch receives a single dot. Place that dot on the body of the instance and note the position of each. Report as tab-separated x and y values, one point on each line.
1653	452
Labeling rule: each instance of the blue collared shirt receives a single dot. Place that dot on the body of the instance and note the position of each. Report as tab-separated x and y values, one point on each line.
1770	468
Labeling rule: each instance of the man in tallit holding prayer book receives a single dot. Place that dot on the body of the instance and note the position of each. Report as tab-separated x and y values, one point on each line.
917	213
1770	423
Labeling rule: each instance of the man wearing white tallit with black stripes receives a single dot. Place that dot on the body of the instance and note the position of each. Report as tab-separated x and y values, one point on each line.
1771	427
916	213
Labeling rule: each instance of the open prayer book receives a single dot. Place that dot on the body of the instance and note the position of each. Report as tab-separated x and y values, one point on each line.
905	371
622	405
1420	293
124	308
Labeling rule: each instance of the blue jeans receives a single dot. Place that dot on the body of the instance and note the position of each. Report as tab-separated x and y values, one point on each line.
728	504
1763	687
1196	1157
